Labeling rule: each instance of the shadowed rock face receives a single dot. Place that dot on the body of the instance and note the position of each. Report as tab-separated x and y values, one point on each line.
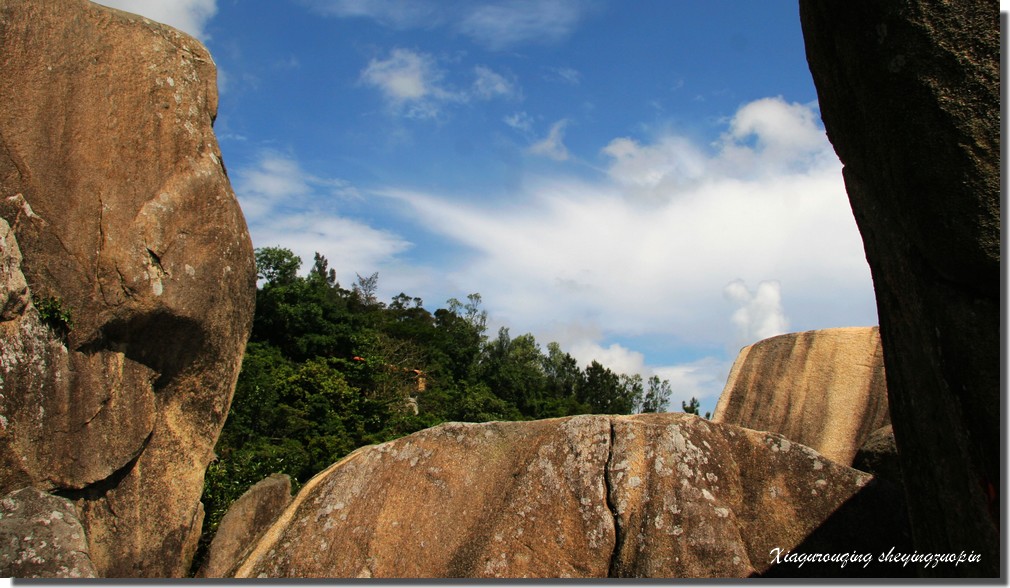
909	93
825	389
112	185
668	495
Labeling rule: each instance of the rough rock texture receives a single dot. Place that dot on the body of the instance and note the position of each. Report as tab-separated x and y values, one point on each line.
14	298
41	537
112	183
246	520
667	495
879	456
825	389
909	92
45	422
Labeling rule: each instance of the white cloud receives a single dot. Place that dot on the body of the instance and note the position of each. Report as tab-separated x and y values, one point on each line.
760	314
553	145
350	246
286	206
595	253
489	84
495	24
397	14
665	167
500	25
190	16
520	121
788	129
618	358
703	379
767	138
565	75
414	84
278	179
409	81
771	136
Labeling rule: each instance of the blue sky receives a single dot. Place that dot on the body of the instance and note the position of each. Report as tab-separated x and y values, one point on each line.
647	183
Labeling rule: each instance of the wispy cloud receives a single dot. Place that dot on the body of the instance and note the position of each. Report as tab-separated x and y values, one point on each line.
671	240
190	16
287	206
496	24
567	75
410	82
501	25
489	84
277	180
397	14
520	121
415	84
553	145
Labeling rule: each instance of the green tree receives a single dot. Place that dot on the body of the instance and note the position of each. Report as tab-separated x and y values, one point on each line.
513	370
460	335
365	289
657	395
304	317
693	407
563	381
477	404
601	390
277	265
630	393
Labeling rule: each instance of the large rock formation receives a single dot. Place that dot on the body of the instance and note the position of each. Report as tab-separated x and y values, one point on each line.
121	216
246	520
909	91
825	389
41	537
667	495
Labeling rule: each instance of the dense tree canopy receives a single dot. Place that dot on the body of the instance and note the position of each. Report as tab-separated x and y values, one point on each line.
328	370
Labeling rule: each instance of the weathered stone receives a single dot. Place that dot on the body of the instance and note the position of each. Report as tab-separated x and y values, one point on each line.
458	500
696	499
825	389
14	297
41	537
112	183
44	423
909	91
246	520
879	456
668	495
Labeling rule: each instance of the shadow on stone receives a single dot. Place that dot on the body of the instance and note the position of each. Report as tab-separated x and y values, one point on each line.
873	522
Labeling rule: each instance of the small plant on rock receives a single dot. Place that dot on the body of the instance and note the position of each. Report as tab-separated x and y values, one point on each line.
54	315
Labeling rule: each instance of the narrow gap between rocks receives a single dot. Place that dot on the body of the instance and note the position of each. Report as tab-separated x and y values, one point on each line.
613	570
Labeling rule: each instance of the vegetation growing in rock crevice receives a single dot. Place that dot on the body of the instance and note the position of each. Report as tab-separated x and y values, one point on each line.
54	314
328	370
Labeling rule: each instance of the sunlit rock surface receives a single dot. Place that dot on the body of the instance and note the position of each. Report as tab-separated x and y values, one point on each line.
663	495
112	185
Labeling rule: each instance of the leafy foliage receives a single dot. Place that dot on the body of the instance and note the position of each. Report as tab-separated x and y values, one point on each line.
54	315
693	406
328	370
